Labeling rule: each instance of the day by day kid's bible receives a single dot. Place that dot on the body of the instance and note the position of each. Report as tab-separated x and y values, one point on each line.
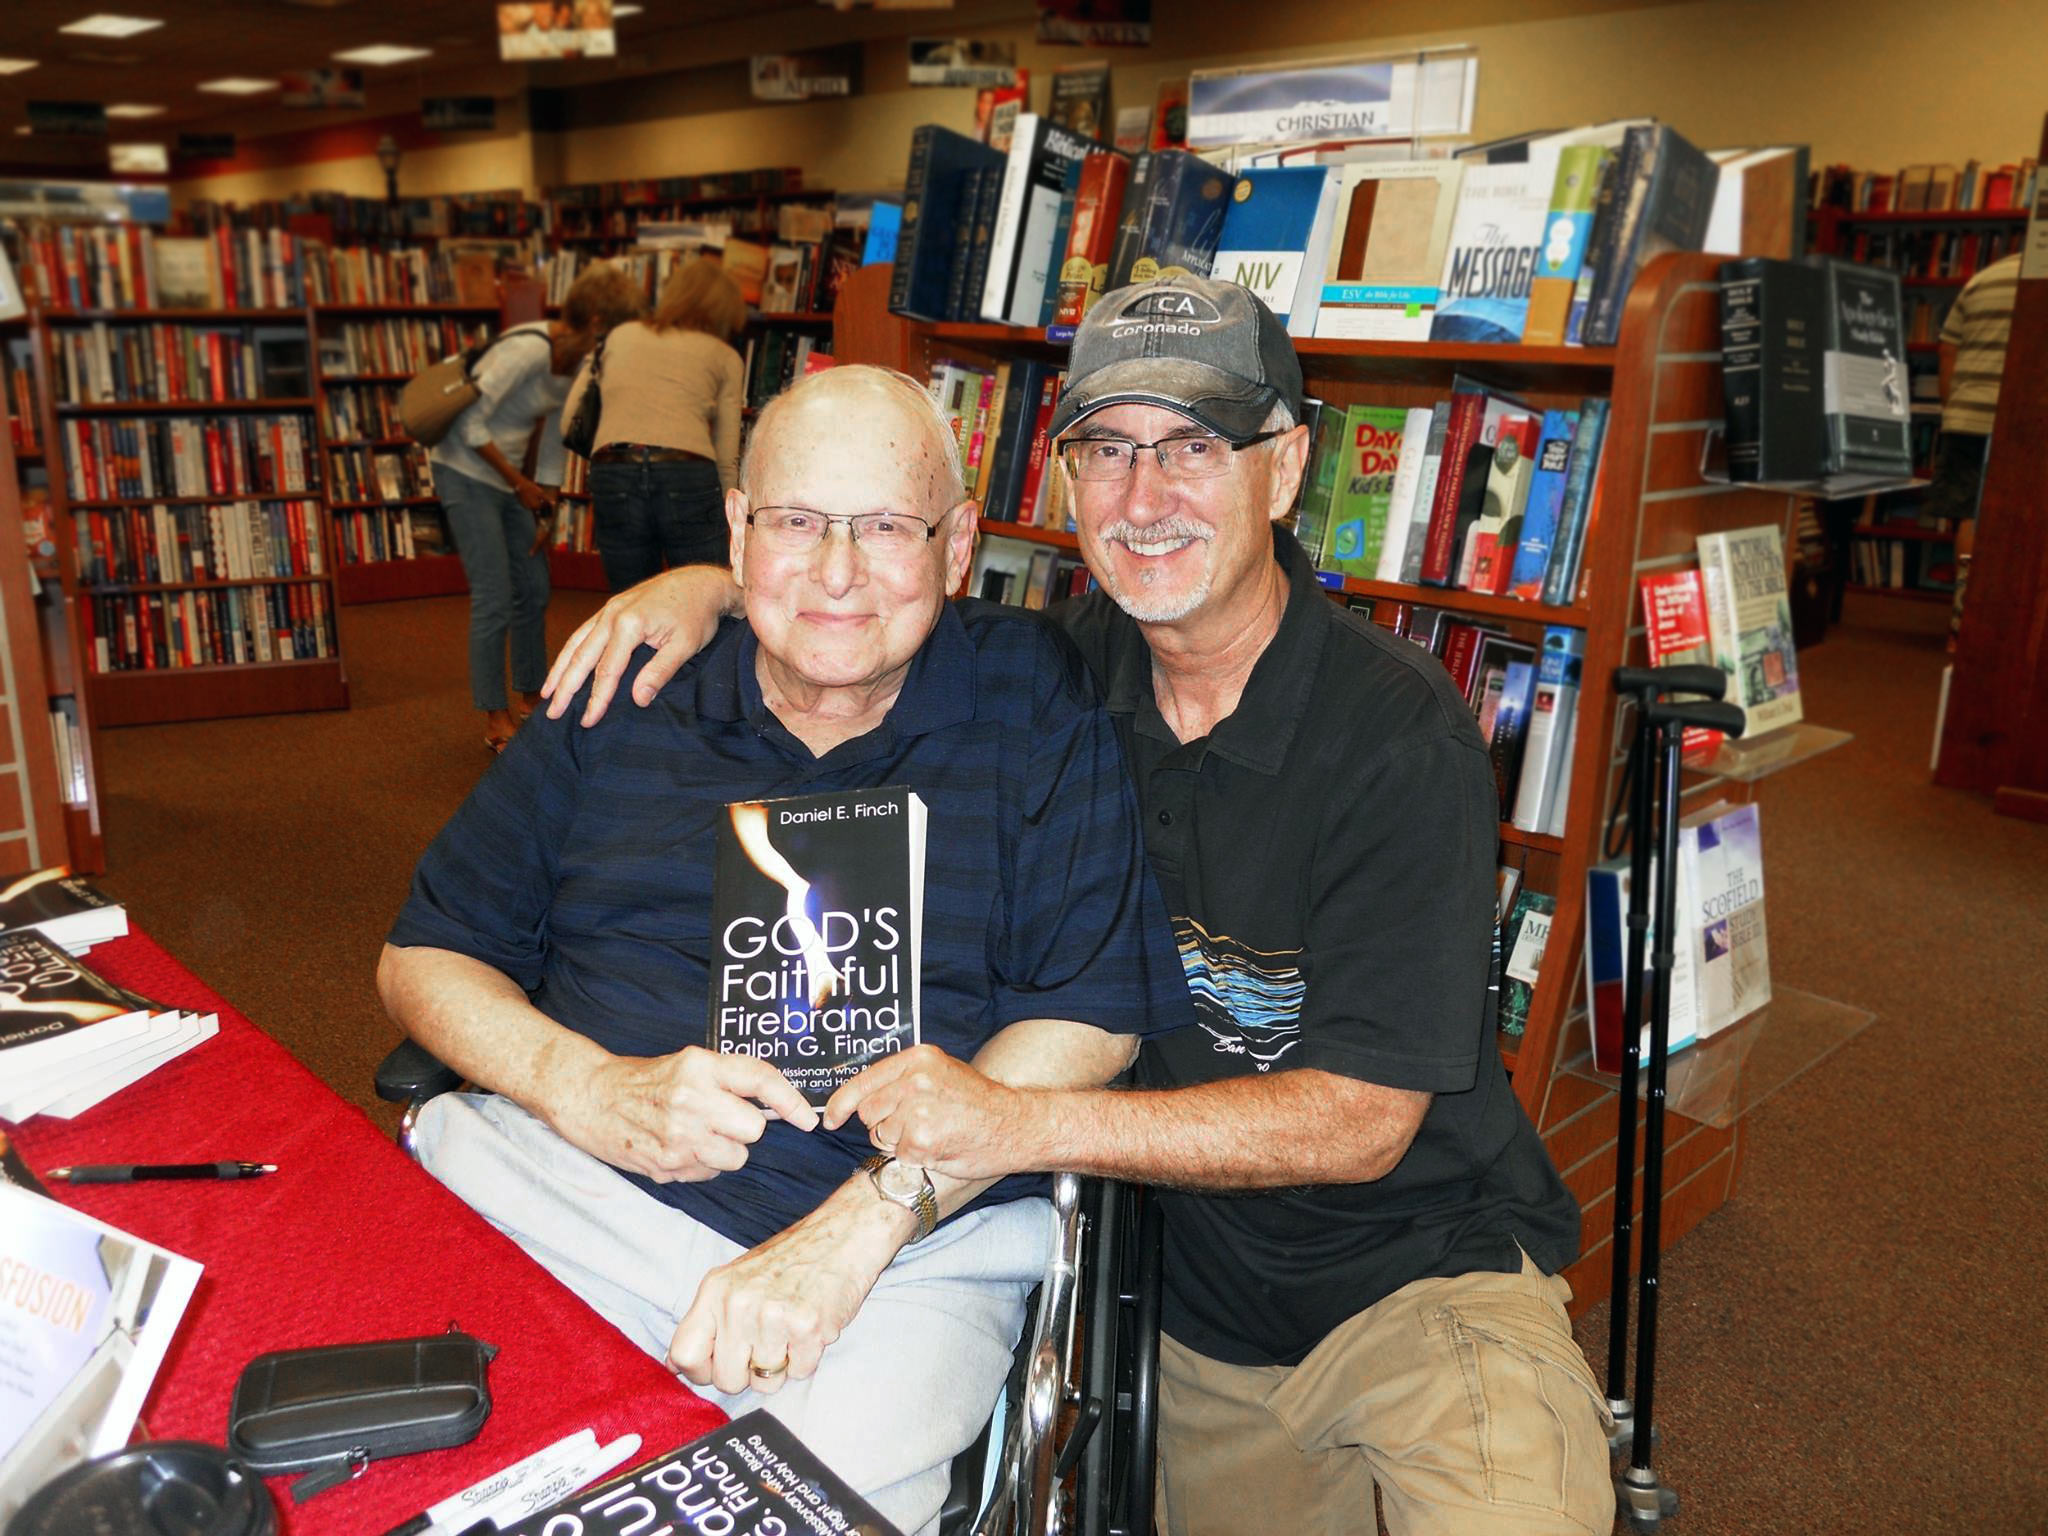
817	926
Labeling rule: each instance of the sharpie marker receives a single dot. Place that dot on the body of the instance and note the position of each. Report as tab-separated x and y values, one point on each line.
461	1510
585	1469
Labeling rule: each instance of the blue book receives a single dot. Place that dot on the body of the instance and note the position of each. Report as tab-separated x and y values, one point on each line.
1546	500
939	162
1511	731
1276	239
1568	544
1173	218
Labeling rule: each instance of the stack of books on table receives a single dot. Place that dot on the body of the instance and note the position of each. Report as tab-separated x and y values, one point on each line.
71	913
69	1038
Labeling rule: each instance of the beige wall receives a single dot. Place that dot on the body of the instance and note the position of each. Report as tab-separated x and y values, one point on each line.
1876	83
487	163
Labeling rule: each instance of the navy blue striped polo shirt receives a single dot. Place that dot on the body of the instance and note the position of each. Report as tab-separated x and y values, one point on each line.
581	867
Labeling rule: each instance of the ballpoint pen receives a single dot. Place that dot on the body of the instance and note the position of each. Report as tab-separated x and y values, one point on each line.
130	1173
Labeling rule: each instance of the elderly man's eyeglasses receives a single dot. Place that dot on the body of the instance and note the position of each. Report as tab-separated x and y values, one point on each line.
1201	456
883	535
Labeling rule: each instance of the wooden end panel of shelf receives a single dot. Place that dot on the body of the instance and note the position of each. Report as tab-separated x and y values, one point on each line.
32	831
576	571
384	581
863	330
207	693
1691	1196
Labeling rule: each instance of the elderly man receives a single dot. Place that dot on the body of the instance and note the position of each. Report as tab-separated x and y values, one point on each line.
557	942
1363	1231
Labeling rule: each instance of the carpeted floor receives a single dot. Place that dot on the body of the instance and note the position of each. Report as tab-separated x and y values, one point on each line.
1852	1345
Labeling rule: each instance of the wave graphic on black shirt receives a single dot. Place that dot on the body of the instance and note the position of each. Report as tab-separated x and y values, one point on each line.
1249	1000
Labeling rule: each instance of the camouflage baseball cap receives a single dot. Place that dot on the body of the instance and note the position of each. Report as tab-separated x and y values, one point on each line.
1208	349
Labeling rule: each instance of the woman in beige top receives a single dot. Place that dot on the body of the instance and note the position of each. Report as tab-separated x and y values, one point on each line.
668	440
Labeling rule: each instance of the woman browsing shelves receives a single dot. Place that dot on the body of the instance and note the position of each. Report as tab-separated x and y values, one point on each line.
500	518
668	436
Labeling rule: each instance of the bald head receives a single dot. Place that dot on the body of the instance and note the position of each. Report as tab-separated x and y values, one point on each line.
850	404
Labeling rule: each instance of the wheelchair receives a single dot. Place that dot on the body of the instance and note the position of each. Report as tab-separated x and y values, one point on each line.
1070	1447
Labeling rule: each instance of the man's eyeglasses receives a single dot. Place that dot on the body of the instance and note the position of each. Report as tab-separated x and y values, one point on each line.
1202	456
883	535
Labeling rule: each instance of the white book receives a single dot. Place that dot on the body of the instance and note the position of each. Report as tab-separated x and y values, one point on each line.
1030	200
1550	709
1392	295
189	1029
1721	859
1749	615
1560	800
1002	247
32	1090
78	1377
1402	505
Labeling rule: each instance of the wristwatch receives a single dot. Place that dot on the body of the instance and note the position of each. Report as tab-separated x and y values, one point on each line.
893	1183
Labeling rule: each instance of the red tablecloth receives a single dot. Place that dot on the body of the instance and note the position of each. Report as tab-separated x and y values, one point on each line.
349	1241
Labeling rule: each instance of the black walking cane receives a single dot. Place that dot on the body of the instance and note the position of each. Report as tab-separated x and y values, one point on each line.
1645	685
1646	1501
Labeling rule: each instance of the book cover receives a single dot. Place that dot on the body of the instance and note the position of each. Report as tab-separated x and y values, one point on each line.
1091	237
1062	235
1275	238
1440	536
1552	706
1491	545
1607	898
1749	615
1566	229
1675	634
1382	278
1080	99
1327	452
1773	341
1547	481
67	910
54	1010
817	919
1020	245
1173	220
1364	488
1731	954
1495	242
1665	207
751	1477
1863	373
1575	513
1404	525
939	161
1420	518
1523	938
95	1310
1511	731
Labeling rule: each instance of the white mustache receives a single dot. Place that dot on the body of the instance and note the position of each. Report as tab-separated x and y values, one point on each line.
1127	532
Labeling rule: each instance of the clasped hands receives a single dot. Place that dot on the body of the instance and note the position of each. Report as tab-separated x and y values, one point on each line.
767	1316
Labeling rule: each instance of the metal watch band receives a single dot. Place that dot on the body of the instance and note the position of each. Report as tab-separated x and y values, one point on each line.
924	1200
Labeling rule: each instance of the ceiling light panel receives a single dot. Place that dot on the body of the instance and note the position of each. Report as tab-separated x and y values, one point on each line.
237	85
104	24
16	66
134	109
381	53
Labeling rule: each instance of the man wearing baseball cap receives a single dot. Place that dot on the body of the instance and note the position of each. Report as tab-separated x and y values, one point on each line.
1363	1231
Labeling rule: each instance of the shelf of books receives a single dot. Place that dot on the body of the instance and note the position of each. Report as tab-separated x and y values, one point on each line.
194	549
1519	634
391	536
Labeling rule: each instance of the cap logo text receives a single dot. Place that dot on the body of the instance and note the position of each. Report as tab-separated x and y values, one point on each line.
1187	308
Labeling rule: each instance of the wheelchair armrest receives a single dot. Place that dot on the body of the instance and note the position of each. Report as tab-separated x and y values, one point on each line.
411	1074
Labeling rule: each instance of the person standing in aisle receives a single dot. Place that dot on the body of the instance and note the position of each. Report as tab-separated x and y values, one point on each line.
1973	341
668	436
1364	1232
499	518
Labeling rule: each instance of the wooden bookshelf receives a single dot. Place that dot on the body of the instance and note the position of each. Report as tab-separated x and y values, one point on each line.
1663	381
160	694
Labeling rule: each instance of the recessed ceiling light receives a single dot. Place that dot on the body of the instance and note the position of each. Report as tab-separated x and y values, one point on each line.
626	10
16	66
24	130
138	159
133	109
381	53
237	85
105	25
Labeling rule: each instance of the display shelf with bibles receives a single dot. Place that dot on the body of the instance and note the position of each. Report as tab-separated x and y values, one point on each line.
1661	387
193	545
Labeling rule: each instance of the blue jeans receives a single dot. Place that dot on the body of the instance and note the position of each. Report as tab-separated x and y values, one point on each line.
645	515
508	587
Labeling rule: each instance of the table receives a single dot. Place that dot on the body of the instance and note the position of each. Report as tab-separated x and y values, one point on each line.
348	1241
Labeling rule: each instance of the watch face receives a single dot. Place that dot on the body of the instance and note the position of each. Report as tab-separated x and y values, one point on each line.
902	1182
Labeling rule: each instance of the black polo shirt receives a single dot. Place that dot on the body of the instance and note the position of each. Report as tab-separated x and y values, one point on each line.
1328	855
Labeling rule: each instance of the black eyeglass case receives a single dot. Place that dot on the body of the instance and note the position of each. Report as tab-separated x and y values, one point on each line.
331	1410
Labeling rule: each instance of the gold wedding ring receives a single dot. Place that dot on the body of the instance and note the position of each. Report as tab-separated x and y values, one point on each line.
769	1372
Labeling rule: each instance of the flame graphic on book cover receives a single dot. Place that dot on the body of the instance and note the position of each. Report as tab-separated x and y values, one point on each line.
750	826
